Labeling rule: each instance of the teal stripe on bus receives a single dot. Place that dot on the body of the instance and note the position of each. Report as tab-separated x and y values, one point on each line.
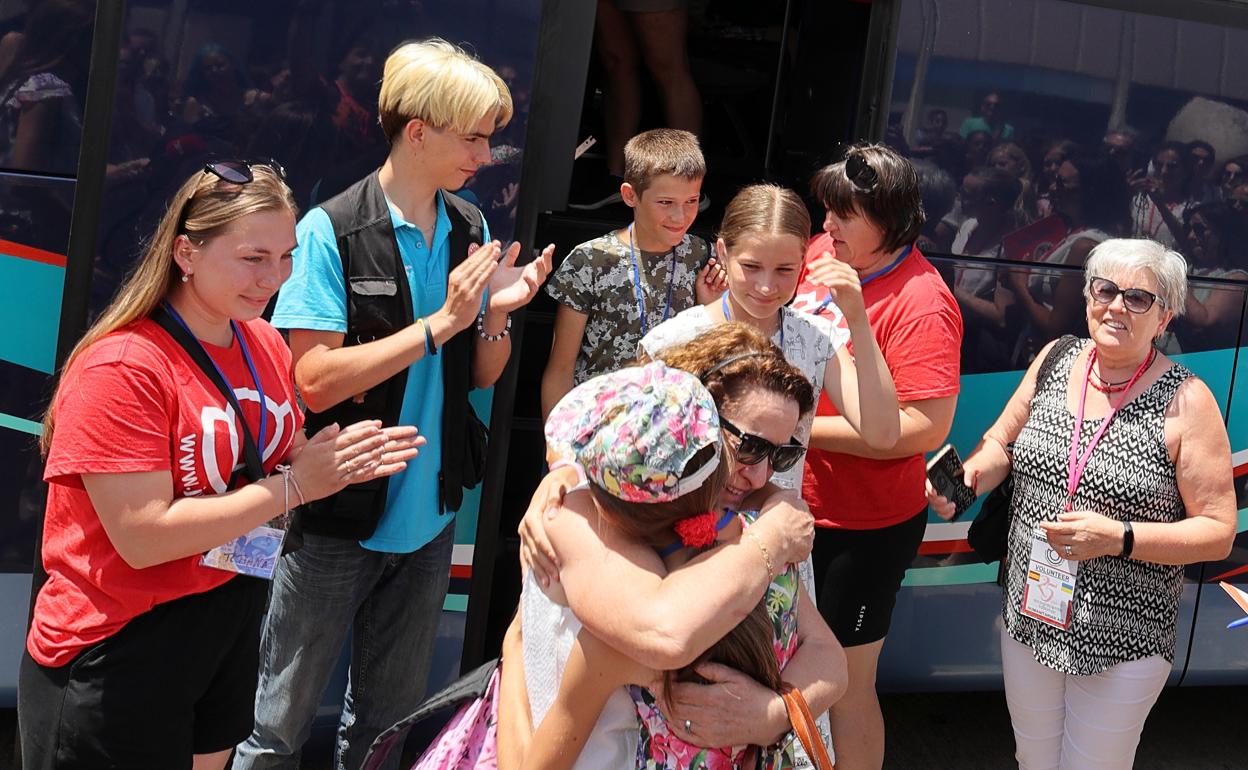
981	401
20	424
30	312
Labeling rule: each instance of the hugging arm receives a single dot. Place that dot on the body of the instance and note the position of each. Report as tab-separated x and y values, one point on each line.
594	670
735	709
620	590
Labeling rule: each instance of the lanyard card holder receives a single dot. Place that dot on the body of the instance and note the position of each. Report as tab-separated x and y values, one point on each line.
255	553
1049	593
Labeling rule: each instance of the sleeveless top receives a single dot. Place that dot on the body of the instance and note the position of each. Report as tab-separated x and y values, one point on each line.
1124	609
548	631
659	749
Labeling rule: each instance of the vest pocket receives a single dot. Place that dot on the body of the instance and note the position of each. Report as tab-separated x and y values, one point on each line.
373	302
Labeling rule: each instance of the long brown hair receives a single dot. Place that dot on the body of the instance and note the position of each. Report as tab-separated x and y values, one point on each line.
202	209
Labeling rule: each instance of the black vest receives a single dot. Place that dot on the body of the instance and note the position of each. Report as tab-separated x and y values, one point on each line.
379	303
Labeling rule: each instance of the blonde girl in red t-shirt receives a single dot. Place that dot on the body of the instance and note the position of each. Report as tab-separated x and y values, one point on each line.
139	653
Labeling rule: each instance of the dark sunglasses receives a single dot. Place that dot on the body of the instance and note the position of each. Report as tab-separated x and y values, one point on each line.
1136	300
752	450
1196	228
239	171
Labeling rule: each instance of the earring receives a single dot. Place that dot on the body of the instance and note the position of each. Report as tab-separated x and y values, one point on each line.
186	277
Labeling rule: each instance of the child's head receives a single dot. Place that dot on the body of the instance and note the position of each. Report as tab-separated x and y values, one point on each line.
761	242
663	172
748	648
434	87
648	438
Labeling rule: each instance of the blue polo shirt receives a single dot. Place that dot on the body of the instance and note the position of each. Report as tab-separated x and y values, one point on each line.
315	298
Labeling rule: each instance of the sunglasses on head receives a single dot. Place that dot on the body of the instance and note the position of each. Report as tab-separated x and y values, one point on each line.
1135	300
859	172
239	171
752	450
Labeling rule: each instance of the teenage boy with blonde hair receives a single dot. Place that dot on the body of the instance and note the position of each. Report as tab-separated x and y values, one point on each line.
615	288
394	313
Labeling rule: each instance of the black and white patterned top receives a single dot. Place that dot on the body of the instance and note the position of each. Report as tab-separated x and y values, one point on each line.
596	278
1124	609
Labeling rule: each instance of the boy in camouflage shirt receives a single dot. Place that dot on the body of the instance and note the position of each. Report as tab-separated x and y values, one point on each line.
615	288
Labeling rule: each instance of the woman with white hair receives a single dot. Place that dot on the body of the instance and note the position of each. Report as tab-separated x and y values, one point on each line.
1122	475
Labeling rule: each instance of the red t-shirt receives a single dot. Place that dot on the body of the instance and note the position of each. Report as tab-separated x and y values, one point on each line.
918	327
135	402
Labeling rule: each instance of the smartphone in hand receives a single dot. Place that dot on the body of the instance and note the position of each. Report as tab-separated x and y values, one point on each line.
945	472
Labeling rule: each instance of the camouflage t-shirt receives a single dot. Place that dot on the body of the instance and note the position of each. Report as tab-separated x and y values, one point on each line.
596	278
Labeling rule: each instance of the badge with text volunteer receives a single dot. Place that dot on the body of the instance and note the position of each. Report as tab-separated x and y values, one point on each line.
1050	589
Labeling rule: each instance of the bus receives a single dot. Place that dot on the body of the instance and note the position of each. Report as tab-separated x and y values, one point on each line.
107	105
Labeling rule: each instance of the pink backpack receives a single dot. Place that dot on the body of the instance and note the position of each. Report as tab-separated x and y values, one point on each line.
469	741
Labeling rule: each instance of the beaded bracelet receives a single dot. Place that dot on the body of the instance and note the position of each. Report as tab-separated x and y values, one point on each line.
492	337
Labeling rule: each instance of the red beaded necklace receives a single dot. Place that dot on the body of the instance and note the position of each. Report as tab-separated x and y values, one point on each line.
1117	387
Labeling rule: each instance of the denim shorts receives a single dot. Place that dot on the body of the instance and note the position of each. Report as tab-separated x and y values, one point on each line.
178	680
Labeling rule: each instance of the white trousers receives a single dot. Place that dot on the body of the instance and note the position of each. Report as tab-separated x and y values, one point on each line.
1065	722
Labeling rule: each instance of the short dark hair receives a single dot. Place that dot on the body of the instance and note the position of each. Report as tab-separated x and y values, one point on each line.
893	203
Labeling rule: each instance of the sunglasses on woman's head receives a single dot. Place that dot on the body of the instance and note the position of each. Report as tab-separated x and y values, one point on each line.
1136	300
239	171
752	450
860	173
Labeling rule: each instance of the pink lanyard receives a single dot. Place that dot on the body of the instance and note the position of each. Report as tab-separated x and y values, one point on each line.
1077	462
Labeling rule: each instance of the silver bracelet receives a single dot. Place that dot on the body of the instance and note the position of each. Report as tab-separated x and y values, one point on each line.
492	337
288	477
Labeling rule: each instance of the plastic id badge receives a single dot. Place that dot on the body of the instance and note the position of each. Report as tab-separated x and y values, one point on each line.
255	553
1049	592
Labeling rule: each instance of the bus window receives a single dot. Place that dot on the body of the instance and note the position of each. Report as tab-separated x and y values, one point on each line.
294	83
1023	88
45	57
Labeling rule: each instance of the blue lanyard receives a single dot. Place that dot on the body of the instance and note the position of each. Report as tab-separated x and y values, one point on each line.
878	273
251	367
641	297
723	304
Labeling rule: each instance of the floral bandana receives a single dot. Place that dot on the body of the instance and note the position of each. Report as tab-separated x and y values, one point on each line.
635	429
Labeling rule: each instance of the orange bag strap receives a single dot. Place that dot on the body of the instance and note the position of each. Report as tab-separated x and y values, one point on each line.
804	726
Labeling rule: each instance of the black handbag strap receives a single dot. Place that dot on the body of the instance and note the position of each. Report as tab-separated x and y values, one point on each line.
254	466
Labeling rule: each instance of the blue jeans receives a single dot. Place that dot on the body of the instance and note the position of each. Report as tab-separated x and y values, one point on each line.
390	602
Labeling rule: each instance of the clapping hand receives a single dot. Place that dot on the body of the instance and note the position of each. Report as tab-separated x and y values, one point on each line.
512	286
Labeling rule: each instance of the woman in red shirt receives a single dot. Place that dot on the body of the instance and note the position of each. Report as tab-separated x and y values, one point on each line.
173	437
869	505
